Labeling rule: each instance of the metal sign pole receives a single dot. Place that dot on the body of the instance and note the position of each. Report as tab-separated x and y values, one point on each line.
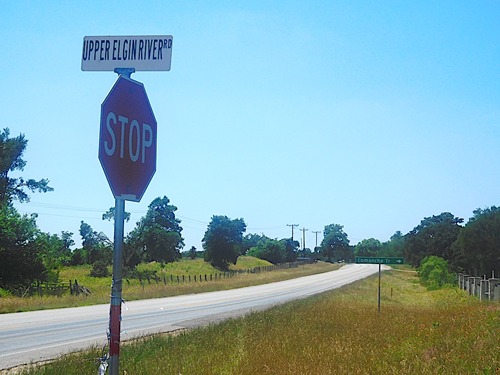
379	275
115	310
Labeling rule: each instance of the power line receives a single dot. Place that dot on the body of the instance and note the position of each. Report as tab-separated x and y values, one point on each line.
32	207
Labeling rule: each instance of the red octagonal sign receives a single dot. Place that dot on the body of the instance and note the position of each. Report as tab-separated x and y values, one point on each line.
127	139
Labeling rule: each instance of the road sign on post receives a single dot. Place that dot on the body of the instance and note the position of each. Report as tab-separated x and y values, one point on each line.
127	139
380	260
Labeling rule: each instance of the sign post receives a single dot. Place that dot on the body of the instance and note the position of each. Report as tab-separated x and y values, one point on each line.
379	261
115	309
127	142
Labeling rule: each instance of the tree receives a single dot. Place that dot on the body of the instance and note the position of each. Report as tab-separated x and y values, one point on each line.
290	249
273	251
21	262
97	246
110	215
478	243
157	236
223	240
77	257
67	239
335	244
11	152
192	253
394	247
250	240
54	251
368	248
434	236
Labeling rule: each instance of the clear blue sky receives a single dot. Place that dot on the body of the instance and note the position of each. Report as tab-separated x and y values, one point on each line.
372	115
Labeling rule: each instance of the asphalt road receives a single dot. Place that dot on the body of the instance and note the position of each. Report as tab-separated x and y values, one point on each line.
42	335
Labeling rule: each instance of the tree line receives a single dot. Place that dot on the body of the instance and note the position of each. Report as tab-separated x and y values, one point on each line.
27	254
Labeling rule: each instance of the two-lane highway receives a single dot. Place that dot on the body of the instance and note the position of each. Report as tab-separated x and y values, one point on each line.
41	335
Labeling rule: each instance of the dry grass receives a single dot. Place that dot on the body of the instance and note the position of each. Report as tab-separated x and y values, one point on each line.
133	289
339	332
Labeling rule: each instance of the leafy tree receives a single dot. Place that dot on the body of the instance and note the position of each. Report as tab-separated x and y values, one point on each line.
478	243
133	249
21	262
434	236
335	244
110	215
434	272
273	251
394	247
368	248
250	240
192	253
55	252
291	249
223	240
77	257
67	240
11	152
161	245
97	246
157	236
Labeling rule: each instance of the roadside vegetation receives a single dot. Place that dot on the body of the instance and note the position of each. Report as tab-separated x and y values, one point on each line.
419	331
134	289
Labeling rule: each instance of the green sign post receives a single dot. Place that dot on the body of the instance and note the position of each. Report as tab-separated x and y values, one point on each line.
379	261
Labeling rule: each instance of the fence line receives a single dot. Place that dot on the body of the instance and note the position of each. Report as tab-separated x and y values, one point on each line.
200	278
58	289
485	289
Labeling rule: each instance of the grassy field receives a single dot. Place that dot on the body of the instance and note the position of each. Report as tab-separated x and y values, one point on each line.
133	289
339	332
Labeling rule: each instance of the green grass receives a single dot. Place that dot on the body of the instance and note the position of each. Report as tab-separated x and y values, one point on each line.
338	332
133	289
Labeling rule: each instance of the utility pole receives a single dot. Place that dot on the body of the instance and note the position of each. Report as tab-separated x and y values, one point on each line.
292	225
316	233
304	239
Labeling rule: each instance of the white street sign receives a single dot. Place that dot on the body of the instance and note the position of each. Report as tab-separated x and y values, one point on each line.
106	53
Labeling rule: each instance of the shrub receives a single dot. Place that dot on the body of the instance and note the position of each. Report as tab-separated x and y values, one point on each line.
434	272
99	269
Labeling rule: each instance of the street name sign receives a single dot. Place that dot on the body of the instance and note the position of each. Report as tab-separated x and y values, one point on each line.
127	139
107	53
380	260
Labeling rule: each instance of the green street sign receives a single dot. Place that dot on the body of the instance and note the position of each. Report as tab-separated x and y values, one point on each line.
380	260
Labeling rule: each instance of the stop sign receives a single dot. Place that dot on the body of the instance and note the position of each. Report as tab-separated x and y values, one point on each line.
127	139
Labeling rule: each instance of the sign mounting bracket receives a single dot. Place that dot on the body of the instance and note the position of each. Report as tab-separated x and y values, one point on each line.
126	72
